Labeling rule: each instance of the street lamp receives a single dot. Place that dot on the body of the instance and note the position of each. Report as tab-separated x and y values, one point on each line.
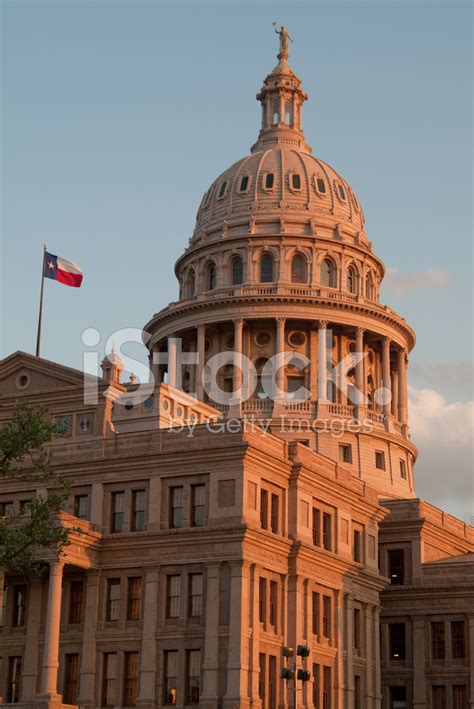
291	672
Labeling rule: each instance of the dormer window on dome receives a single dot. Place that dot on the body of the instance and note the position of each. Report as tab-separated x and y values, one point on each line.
319	185
244	184
295	181
222	190
341	192
268	180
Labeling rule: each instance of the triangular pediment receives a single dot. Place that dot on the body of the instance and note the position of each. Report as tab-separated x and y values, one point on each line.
23	375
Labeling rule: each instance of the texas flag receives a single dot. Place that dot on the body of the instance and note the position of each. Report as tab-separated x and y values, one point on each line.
62	270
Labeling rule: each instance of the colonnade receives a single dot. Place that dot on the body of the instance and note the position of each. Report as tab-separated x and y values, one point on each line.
392	383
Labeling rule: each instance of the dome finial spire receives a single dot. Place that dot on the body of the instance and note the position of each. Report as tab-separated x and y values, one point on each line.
284	52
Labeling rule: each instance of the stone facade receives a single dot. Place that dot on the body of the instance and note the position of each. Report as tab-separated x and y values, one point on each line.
207	535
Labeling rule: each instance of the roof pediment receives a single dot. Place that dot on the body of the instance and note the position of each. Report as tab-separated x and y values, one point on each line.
23	375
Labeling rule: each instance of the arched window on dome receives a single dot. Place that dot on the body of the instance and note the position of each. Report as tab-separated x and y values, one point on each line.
267	268
298	269
237	271
190	286
328	273
369	287
211	277
276	112
288	113
352	280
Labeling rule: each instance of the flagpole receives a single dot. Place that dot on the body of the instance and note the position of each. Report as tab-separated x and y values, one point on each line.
40	315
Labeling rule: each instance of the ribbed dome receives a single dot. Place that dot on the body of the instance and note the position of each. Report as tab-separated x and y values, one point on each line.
301	184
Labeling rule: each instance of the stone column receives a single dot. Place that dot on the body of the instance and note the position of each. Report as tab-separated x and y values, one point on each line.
394	408
173	362
30	657
419	681
238	359
148	662
87	673
402	387
368	639
349	652
322	362
237	667
280	349
210	663
313	366
49	676
201	351
377	668
386	381
359	368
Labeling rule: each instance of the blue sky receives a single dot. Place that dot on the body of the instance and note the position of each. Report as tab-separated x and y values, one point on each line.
116	117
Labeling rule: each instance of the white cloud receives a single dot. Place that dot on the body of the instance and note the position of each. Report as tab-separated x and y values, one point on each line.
444	434
403	283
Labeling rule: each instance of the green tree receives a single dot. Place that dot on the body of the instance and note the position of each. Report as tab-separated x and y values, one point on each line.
24	456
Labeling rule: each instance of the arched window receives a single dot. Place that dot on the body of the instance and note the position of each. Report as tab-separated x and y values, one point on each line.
298	269
369	287
211	277
288	112
263	380
266	269
276	112
237	271
190	284
351	280
328	273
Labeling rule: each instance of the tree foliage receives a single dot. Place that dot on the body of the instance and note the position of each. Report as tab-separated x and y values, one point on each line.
26	533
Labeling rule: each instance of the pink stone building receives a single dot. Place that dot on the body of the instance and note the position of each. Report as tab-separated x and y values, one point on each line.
224	517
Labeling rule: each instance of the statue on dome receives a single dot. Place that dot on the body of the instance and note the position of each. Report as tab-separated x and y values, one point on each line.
284	37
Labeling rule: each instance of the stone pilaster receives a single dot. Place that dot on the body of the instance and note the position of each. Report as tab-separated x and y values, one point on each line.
87	673
148	662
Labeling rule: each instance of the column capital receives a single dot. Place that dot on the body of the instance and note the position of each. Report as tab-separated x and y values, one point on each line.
238	322
280	320
360	331
322	324
56	567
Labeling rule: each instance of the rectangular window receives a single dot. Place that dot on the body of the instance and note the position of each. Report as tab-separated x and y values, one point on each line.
396	566
262	600
356	628
71	679
357	546
134	598
261	677
81	506
327	688
398	698
138	516
14	680
403	470
316	686
6	509
116	524
327	616
3	619
193	676
438	649
327	531
357	692
397	641
458	648
19	606
130	679
460	696
274	514
176	507
113	599
380	460
273	603
315	601
109	677
316	527
345	453
173	596
170	676
198	502
438	697
264	509
195	596
272	682
75	602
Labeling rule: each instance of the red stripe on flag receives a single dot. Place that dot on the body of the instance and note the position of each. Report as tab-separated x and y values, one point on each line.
69	279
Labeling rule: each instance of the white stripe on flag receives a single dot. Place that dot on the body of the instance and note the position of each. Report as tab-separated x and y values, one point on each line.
65	265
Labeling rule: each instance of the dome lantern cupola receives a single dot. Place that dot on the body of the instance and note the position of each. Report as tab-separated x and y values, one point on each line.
282	98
